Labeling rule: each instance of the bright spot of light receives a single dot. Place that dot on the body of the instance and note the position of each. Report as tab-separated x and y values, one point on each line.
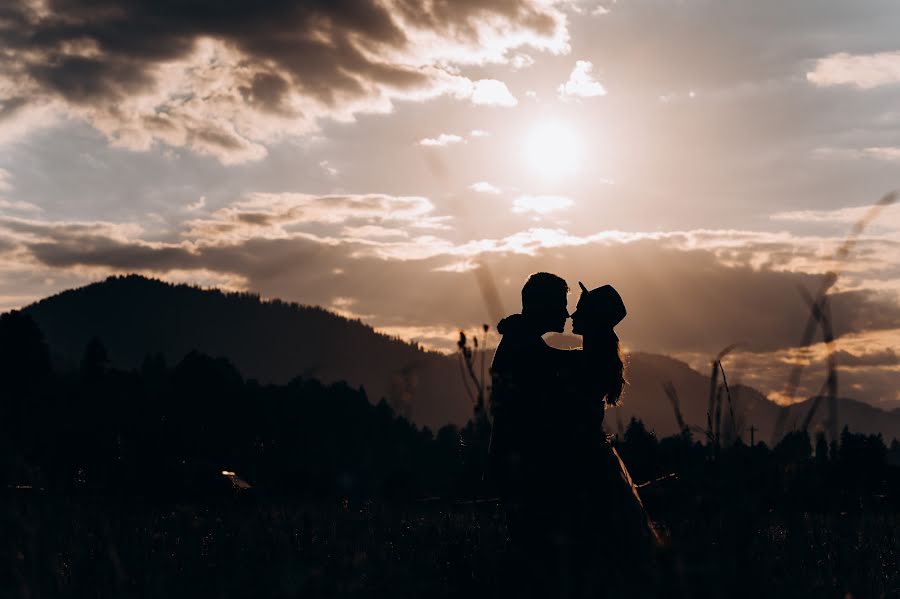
553	149
227	472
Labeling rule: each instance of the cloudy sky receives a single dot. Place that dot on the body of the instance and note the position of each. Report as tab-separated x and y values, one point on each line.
397	160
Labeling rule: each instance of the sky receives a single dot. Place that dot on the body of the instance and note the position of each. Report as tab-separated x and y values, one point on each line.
411	162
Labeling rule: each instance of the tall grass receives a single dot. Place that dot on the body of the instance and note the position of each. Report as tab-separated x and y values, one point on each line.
818	318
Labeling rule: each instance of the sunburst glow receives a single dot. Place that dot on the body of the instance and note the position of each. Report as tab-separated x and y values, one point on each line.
553	149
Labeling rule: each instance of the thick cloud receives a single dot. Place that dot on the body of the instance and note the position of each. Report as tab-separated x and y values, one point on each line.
226	78
680	299
581	83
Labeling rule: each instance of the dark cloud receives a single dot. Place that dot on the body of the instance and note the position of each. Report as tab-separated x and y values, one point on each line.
66	245
266	90
9	106
887	357
298	59
119	255
216	137
312	41
272	215
87	80
463	15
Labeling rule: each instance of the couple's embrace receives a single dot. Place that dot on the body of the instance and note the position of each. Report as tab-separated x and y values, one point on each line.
576	524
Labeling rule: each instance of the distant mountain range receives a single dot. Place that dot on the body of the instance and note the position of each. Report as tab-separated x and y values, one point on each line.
273	341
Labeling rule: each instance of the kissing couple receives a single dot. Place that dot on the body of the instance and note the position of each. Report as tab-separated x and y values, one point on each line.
576	524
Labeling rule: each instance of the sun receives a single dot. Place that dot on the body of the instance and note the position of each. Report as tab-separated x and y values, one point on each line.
553	149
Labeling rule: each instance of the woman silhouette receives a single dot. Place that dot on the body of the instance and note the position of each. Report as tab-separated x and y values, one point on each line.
613	538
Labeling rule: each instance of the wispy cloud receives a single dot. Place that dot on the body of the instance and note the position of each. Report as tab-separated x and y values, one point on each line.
5	180
888	153
277	215
484	187
326	166
18	206
885	153
542	204
889	217
444	139
198	205
373	232
7	205
865	71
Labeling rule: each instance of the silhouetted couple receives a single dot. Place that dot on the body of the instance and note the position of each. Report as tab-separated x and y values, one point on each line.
576	524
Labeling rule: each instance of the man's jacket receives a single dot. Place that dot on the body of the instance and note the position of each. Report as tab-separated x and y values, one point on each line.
528	401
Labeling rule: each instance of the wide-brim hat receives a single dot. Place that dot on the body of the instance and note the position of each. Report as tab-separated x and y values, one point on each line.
604	303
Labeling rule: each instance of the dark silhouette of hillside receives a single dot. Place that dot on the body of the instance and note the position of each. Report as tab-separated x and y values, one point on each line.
274	341
271	341
752	407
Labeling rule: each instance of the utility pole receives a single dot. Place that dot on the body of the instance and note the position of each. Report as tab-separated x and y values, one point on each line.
753	430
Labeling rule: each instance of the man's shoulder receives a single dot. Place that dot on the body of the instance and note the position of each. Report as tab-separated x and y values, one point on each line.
521	342
508	353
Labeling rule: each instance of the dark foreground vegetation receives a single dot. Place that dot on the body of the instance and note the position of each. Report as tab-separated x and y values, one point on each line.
107	547
187	480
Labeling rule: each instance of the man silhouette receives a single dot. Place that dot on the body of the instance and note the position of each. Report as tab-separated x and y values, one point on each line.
527	442
524	377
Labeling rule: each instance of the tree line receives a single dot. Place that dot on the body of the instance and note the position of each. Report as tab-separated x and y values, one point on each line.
198	426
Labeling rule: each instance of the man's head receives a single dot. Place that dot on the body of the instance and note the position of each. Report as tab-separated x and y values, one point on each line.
544	301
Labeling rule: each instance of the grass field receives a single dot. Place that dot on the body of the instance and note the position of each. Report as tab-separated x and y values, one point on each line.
242	547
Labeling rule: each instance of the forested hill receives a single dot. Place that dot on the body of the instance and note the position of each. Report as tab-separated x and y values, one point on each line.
271	341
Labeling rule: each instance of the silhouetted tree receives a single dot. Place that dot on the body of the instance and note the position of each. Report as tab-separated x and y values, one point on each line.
24	356
794	447
94	361
821	451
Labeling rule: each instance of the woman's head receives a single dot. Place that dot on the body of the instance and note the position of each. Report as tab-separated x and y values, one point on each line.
597	313
598	310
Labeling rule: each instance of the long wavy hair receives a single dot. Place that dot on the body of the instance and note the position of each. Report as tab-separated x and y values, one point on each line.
611	366
598	311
